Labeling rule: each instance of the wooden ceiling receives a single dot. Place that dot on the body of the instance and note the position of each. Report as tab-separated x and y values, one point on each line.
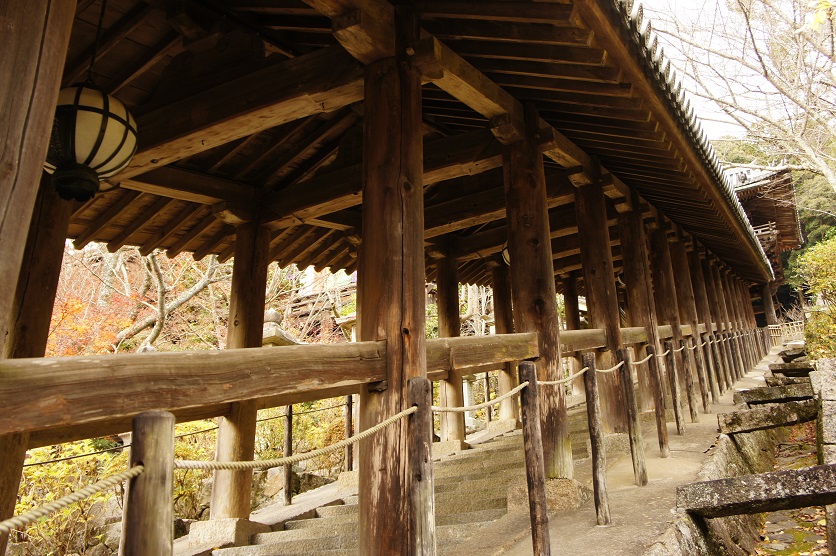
253	108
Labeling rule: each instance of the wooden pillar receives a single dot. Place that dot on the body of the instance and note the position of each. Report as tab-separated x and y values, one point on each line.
686	300
34	44
731	364
390	292
231	490
703	316
768	304
601	296
721	363
348	419
449	326
664	289
734	322
31	313
737	285
642	307
572	310
509	410
533	289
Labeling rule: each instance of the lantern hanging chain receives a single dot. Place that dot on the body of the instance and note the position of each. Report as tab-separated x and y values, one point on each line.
96	43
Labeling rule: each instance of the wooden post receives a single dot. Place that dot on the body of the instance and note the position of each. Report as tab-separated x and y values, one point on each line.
686	369
421	467
232	490
768	304
596	437
633	425
34	45
535	472
640	297
601	295
686	300
715	327
509	409
664	290
722	296
532	281
348	416
737	322
676	393
287	451
390	291
724	319
572	311
704	316
486	381
451	392
659	404
31	317
148	515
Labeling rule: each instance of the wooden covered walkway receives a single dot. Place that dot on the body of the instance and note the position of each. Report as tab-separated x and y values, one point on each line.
409	141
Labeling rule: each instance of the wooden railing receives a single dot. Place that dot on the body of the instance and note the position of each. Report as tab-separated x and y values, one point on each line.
786	332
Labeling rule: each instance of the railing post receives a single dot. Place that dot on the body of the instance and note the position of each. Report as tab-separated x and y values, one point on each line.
348	415
596	438
148	517
633	425
420	431
535	470
287	451
676	392
659	402
689	381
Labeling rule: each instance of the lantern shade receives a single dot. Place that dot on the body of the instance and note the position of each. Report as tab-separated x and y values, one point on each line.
506	255
93	138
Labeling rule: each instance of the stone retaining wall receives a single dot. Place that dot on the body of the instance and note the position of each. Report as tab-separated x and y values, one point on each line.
742	454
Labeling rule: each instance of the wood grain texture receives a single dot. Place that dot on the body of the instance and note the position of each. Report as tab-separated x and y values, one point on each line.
601	296
391	295
535	473
451	392
148	517
509	409
634	429
422	492
596	438
533	288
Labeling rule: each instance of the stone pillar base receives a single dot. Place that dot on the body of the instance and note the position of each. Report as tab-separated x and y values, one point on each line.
504	425
224	532
447	447
561	495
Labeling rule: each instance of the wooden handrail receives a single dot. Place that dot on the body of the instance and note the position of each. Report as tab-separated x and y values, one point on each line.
64	398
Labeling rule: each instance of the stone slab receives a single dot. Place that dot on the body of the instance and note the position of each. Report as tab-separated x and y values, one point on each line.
774	394
767	416
561	495
224	532
448	447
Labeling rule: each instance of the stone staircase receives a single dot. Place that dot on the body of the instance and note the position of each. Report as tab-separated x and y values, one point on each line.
471	489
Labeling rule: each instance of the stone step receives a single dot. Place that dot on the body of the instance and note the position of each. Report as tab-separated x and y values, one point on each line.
321	522
332	511
454	503
458	484
304	546
470	517
311	532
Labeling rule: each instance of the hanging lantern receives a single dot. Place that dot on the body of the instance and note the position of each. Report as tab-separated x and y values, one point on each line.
506	256
93	138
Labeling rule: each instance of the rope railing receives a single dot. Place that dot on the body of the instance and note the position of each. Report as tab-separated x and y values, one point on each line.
290	460
645	360
476	407
611	369
663	354
35	514
569	378
677	350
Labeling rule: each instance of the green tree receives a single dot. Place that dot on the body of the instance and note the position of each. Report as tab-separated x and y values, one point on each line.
817	269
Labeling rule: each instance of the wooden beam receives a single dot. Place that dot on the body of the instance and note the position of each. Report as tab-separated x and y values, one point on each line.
140	222
260	100
552	13
763	492
194	187
110	214
170	228
281	378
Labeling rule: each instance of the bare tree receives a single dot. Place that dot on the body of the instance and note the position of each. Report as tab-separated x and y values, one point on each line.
768	66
